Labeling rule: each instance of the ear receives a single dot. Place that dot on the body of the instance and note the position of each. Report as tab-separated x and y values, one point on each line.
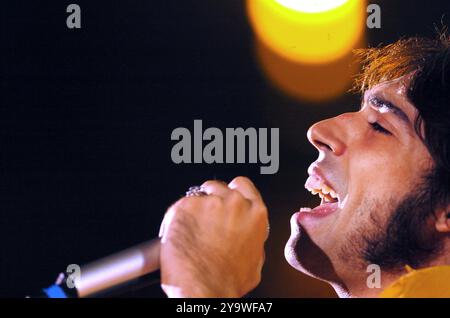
443	220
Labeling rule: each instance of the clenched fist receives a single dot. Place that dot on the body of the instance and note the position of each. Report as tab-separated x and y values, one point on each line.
213	245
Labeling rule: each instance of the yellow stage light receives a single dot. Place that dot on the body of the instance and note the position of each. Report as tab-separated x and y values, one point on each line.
308	31
312	5
317	83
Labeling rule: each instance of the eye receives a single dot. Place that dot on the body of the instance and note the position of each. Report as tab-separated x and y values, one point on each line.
378	128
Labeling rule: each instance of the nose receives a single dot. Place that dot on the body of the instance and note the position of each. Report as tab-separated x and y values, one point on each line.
329	135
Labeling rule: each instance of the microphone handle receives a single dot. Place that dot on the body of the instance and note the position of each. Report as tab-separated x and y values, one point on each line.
110	271
118	268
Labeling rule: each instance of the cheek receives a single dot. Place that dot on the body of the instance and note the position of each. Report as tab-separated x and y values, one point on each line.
374	178
381	170
378	173
378	176
370	176
389	159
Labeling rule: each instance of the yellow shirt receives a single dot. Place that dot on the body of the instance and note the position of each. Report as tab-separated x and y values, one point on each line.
431	282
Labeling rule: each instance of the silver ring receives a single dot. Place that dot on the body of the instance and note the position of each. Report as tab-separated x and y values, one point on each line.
195	191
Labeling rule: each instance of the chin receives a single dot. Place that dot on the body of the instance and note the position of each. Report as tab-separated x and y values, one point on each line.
307	257
291	255
290	250
313	265
299	253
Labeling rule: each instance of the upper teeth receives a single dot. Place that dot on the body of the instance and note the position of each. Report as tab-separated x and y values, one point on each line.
323	191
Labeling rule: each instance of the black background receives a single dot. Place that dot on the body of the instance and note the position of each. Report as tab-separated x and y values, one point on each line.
86	117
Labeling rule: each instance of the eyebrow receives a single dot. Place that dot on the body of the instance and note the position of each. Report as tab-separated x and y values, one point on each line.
379	102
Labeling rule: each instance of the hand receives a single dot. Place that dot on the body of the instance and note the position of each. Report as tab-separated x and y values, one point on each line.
213	246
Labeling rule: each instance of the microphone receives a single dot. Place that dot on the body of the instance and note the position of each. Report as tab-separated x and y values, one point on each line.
108	272
114	270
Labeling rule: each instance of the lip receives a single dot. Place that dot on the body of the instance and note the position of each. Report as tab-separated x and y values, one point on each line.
315	172
320	211
309	218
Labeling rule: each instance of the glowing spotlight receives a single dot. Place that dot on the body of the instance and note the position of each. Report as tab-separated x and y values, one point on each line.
317	83
312	6
308	31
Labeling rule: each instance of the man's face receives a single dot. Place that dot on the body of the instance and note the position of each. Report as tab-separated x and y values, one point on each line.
372	159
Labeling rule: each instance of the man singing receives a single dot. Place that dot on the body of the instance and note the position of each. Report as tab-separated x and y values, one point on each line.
383	173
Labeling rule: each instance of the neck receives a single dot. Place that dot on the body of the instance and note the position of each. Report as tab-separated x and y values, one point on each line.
367	285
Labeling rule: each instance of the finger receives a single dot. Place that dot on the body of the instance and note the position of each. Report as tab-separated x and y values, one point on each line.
246	188
215	187
184	203
165	224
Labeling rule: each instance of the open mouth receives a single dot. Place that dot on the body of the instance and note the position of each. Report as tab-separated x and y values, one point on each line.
317	185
